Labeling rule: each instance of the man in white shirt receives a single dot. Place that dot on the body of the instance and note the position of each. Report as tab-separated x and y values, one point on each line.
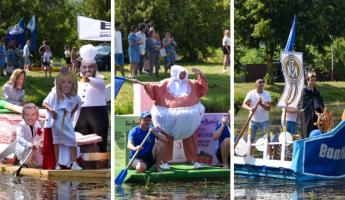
119	61
93	116
142	47
260	119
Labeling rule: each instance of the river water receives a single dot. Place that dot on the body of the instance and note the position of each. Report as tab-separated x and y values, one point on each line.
33	188
175	190
270	188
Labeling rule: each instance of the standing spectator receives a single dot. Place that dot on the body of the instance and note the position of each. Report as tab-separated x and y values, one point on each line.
11	59
41	51
119	60
68	57
2	56
142	47
26	56
19	54
153	46
226	49
74	59
169	44
133	50
47	55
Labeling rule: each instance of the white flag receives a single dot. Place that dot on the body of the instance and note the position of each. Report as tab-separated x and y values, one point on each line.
92	29
292	67
32	23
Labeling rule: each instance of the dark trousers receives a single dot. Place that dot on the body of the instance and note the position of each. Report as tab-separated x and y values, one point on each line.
154	61
94	120
141	64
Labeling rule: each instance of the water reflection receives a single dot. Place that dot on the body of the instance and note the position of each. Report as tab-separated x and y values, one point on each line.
269	188
31	188
175	190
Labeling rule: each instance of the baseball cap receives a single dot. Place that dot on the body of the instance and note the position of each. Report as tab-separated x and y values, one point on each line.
145	114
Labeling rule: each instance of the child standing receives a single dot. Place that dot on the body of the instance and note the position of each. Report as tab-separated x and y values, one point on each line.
62	104
46	61
29	135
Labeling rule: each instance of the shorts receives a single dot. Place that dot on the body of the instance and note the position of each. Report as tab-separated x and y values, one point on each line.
219	156
146	158
68	60
291	127
254	126
46	64
225	51
119	60
27	60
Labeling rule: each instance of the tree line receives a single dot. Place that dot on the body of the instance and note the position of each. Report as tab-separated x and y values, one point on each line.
56	21
264	25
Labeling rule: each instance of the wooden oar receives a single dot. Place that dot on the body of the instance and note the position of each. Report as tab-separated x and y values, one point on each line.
27	157
23	162
122	175
246	124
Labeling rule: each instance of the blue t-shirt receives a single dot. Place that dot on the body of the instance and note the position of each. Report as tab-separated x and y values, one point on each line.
225	133
137	135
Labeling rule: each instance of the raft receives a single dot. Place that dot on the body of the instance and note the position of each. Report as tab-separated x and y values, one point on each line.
178	173
315	158
57	174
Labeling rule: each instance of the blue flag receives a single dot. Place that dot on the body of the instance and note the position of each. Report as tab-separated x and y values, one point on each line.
32	26
291	40
17	32
118	83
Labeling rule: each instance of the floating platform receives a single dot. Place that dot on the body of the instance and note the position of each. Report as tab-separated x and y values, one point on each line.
57	174
315	158
178	173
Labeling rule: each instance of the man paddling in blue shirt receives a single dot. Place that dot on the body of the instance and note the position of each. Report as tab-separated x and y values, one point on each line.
222	134
153	150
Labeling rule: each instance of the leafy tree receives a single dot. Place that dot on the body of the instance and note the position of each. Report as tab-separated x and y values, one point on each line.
267	23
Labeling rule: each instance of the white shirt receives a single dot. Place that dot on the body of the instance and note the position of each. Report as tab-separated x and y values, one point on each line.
46	56
227	41
92	93
26	51
118	42
292	117
260	114
142	46
67	53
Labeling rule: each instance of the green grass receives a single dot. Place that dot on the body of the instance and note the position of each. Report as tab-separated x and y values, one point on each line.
333	94
37	86
216	100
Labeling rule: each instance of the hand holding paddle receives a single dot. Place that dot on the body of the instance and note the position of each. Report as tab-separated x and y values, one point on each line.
247	122
122	175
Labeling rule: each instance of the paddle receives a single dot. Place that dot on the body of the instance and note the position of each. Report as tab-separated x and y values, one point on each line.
27	156
23	162
9	150
246	124
122	175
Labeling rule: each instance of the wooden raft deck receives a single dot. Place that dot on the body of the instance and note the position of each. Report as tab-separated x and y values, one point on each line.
57	174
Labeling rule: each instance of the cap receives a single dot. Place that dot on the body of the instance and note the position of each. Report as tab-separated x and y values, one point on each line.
145	114
88	53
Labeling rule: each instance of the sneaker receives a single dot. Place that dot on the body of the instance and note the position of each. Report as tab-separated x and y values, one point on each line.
197	165
165	166
75	166
57	167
